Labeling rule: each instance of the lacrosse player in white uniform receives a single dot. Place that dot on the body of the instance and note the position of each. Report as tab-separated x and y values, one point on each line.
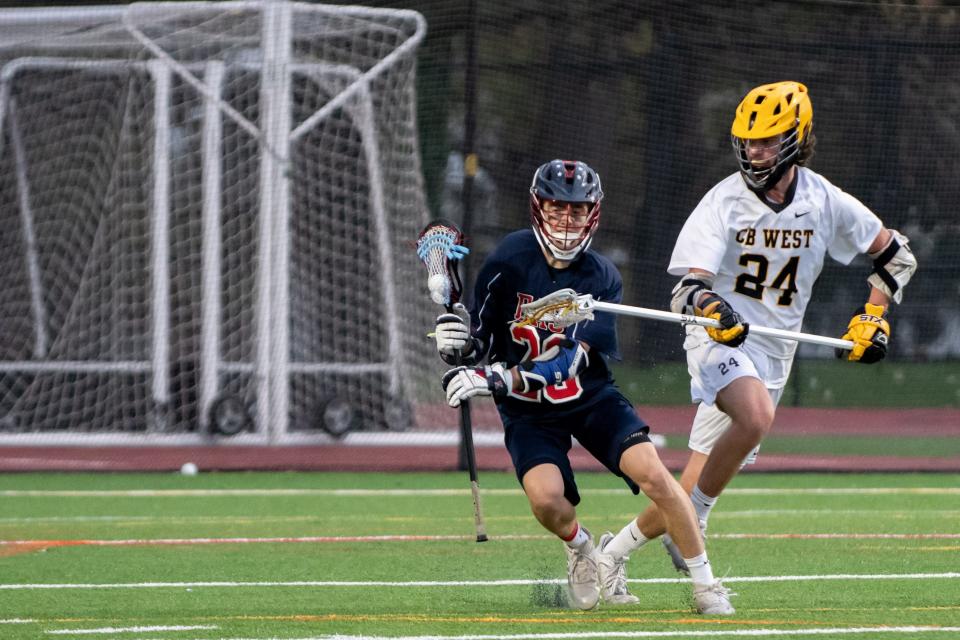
750	253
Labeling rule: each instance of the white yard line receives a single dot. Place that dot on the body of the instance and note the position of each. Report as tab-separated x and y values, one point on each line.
898	513
751	633
725	633
278	540
151	629
842	491
743	513
131	542
837	536
151	519
378	493
457	583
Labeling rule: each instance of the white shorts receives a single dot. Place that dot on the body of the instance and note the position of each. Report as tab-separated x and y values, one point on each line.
712	366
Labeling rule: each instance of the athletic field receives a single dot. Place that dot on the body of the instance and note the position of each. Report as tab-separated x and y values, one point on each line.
298	555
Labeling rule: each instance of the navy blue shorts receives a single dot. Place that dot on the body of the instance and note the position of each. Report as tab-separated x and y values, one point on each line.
606	428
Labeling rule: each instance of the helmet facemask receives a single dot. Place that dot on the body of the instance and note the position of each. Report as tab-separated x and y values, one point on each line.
565	207
567	232
763	176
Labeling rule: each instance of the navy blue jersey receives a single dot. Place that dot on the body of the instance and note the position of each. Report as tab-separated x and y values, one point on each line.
516	273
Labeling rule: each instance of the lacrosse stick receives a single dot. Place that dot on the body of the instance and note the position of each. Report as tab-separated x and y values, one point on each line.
564	307
440	248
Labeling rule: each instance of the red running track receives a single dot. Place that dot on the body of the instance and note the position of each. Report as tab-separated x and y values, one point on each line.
371	457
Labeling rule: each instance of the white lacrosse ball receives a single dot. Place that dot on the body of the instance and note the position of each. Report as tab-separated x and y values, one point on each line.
188	469
439	288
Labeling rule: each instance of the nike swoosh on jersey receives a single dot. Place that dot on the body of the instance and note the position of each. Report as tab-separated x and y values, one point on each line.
800	215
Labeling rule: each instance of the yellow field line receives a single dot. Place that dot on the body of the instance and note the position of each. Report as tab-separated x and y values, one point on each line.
552	618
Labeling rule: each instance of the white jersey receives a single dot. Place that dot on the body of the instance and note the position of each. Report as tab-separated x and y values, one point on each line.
766	262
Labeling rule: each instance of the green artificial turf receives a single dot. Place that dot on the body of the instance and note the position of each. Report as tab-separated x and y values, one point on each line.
831	444
904	530
815	383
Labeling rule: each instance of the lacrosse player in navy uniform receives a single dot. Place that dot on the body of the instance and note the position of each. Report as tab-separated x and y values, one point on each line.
552	384
750	253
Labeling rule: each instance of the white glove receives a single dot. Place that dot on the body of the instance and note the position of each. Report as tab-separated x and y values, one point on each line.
463	383
452	335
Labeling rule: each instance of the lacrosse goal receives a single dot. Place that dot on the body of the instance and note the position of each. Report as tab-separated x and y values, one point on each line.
201	206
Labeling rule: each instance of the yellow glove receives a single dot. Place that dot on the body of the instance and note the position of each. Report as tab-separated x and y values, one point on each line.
733	330
870	334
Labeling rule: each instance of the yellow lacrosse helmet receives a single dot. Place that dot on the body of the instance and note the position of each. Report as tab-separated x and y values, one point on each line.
778	109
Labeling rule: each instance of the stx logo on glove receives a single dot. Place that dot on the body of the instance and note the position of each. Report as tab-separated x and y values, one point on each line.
870	335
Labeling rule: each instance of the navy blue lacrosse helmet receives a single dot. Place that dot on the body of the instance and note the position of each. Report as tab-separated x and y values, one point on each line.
565	231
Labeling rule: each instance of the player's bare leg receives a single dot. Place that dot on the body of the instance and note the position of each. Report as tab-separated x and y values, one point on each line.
642	464
691	472
747	402
543	485
751	410
650	522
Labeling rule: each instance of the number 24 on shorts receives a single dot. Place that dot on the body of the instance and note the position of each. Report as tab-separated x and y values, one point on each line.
725	366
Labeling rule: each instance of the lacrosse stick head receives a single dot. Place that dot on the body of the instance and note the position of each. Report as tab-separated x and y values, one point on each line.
440	247
561	309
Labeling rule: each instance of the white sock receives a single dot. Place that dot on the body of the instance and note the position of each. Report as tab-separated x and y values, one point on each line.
579	538
702	503
626	541
700	571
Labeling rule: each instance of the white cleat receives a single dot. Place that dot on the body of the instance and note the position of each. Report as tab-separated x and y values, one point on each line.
713	599
582	580
613	575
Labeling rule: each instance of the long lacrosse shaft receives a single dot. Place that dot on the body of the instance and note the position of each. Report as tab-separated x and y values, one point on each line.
466	441
466	435
679	318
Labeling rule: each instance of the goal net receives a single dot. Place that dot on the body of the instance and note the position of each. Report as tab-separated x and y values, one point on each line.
205	210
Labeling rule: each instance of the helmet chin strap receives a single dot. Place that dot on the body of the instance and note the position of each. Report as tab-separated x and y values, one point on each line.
774	177
563	238
568	255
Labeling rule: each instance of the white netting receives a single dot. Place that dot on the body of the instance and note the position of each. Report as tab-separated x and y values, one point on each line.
208	200
439	249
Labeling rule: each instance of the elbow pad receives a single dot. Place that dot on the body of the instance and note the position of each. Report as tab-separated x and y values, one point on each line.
687	291
553	366
893	266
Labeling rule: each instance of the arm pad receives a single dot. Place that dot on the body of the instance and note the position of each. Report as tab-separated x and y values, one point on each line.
687	291
893	266
553	366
